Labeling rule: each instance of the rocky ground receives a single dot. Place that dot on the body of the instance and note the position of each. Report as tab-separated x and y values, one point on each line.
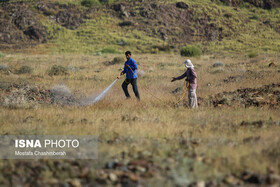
21	23
259	97
126	169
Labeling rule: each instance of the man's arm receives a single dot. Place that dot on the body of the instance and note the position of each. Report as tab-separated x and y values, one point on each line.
180	77
123	72
124	69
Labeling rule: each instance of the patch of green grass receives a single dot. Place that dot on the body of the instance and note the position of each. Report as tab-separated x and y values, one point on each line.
90	3
1	54
101	34
253	54
190	51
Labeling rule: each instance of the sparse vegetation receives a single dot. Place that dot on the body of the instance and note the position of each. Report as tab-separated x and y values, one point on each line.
109	50
190	51
24	70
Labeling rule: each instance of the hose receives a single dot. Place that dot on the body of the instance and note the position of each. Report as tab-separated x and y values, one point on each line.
185	91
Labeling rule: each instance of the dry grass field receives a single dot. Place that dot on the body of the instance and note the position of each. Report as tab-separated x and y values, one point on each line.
153	142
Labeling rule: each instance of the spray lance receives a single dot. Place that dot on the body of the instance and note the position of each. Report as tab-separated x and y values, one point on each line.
105	91
92	99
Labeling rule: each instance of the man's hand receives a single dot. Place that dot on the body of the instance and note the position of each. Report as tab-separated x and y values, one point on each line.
173	79
118	77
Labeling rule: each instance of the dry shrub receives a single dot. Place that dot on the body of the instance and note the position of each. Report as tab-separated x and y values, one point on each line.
58	70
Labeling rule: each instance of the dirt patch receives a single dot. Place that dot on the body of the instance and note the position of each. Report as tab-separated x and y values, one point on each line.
267	95
19	26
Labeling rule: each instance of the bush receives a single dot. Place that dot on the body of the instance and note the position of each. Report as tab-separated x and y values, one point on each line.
126	23
107	1
255	17
252	54
218	64
58	70
24	70
4	67
62	95
50	12
117	60
190	51
109	50
90	3
228	15
1	54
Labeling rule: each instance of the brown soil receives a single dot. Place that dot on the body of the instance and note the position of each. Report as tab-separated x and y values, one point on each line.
259	97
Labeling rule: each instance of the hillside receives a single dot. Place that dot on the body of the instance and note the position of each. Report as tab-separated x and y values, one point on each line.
143	26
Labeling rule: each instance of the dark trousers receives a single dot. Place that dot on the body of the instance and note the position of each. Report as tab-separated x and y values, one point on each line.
133	82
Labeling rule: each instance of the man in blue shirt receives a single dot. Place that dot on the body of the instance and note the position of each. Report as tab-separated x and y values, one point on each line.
129	69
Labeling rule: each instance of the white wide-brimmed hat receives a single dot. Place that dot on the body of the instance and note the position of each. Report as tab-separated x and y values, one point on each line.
188	63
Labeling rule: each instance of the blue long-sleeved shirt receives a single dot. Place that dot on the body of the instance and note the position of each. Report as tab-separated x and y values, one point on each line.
133	66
